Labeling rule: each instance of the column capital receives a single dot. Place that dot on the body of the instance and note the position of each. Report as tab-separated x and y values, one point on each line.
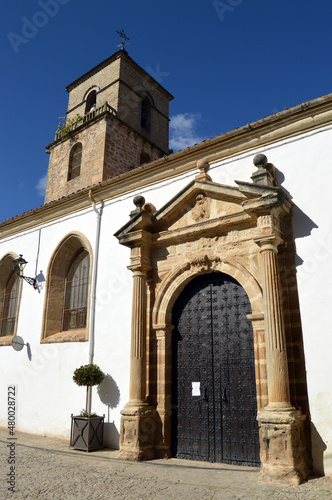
139	270
162	331
163	326
269	242
140	259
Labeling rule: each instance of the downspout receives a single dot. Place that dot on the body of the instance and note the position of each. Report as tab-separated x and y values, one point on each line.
93	290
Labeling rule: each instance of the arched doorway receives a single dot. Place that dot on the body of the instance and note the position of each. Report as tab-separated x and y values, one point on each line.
214	405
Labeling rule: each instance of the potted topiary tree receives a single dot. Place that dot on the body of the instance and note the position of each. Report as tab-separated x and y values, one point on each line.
87	429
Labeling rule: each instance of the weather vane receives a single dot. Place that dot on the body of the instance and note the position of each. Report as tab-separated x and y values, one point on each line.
124	38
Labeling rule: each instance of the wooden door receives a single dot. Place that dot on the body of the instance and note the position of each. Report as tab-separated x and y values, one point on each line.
214	405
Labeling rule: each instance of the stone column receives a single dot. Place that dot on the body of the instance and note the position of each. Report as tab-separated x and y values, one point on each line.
276	352
283	454
164	387
138	421
137	388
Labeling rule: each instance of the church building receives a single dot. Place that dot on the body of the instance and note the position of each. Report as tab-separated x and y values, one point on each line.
193	279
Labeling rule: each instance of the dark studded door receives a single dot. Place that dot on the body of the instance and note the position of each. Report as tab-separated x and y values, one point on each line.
214	406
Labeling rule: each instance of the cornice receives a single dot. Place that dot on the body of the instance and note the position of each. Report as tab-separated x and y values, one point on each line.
117	80
281	126
213	227
120	54
102	116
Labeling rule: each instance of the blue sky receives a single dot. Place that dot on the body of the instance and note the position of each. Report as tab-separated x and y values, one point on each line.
227	63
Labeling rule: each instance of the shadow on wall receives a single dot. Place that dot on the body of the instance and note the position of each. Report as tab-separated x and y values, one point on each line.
109	394
111	436
302	224
318	448
302	227
279	176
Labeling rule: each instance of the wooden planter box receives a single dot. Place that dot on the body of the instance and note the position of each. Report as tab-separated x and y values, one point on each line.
87	433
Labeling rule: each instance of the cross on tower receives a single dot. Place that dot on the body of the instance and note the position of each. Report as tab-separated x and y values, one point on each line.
124	38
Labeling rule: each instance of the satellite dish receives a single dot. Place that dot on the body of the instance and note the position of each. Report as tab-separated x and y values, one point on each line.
18	343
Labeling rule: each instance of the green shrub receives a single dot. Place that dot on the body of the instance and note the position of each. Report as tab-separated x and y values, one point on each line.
88	375
65	126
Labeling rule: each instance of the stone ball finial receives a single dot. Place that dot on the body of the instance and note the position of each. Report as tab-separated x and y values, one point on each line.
260	161
139	201
203	166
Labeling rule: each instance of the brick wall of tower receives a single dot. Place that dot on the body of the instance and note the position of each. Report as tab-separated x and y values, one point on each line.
123	85
106	80
132	87
93	146
109	148
123	149
111	145
140	84
130	113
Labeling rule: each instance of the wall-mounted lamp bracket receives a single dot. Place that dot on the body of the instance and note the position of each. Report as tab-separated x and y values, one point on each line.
19	265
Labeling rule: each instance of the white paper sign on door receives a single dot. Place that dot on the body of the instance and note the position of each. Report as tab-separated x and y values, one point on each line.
196	388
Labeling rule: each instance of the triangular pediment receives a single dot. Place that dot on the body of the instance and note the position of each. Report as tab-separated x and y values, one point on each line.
200	201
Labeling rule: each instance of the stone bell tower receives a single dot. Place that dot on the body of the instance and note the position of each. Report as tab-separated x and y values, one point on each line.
117	119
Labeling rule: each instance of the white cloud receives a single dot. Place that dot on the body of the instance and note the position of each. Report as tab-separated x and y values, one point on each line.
41	185
183	130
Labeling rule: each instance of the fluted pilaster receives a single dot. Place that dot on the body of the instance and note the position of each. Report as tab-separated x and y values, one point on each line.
138	325
164	382
276	352
283	455
138	419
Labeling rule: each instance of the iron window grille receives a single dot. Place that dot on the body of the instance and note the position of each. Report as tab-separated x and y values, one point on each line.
10	301
76	293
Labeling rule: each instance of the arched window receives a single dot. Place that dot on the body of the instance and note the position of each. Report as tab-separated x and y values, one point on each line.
76	292
10	287
145	158
8	317
91	101
146	114
67	292
75	159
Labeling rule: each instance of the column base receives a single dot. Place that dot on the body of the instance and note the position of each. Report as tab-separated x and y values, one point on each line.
284	454
163	451
138	432
163	447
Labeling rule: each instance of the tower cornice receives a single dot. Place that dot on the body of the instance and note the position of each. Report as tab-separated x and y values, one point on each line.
120	54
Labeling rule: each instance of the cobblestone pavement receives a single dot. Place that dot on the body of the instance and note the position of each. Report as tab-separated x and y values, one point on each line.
46	468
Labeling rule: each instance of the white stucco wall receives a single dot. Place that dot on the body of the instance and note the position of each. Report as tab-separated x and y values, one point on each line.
46	393
304	170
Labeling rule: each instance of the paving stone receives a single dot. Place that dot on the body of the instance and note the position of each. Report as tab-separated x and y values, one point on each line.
48	469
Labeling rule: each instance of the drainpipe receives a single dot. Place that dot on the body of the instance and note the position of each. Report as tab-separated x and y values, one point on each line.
93	290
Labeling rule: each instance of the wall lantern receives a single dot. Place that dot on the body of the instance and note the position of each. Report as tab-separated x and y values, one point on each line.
19	265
